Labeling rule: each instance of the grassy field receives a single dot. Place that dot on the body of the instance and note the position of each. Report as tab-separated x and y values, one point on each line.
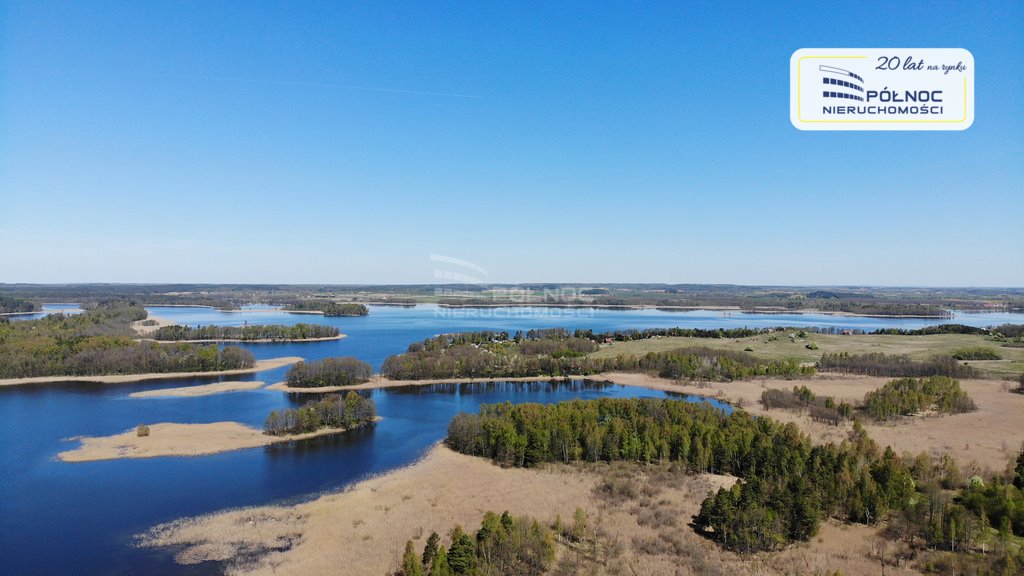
780	345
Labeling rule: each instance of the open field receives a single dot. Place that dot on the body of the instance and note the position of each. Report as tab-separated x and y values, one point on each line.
173	439
779	346
261	365
365	528
202	390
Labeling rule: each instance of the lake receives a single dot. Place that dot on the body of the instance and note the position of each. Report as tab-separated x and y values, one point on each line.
79	518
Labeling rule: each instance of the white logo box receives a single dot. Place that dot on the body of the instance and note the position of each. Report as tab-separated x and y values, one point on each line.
881	89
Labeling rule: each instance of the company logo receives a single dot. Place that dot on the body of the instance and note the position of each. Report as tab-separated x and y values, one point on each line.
882	89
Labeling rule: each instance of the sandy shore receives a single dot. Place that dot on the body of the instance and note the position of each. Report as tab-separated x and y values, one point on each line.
365	527
144	330
171	439
260	366
204	390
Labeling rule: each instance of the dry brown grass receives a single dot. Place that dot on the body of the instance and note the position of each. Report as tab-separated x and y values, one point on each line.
642	524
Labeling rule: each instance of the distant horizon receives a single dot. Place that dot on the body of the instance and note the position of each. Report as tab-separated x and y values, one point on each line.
513	284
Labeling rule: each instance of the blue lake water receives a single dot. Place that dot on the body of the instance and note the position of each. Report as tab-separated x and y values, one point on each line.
58	518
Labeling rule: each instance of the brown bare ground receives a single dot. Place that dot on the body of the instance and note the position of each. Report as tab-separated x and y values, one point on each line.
260	366
364	529
172	439
203	390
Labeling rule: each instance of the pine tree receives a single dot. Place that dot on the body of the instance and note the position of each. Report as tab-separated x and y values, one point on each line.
430	550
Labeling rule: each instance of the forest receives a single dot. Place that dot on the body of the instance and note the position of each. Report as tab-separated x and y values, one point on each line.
786	485
247	333
100	341
341	371
328	307
556	353
331	411
909	396
504	545
895	365
10	305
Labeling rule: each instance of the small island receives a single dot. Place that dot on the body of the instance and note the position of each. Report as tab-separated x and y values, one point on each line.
329	373
328	307
330	415
254	333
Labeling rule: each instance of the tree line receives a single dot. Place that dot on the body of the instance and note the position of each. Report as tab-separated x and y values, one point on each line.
9	304
555	353
249	332
504	545
908	396
328	307
787	485
99	342
895	365
331	411
341	371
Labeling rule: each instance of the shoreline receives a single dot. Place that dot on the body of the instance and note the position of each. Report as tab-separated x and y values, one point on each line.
240	341
175	439
379	382
445	488
680	308
261	365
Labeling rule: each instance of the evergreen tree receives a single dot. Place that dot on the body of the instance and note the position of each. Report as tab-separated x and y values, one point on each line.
430	550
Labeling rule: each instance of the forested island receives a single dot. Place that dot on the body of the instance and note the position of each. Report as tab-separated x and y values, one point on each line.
331	411
9	305
329	308
342	371
100	341
247	333
555	352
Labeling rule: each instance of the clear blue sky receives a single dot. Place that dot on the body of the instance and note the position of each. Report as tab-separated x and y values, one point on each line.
346	143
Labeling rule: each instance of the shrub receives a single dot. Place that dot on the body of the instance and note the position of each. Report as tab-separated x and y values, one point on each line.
142	430
978	353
